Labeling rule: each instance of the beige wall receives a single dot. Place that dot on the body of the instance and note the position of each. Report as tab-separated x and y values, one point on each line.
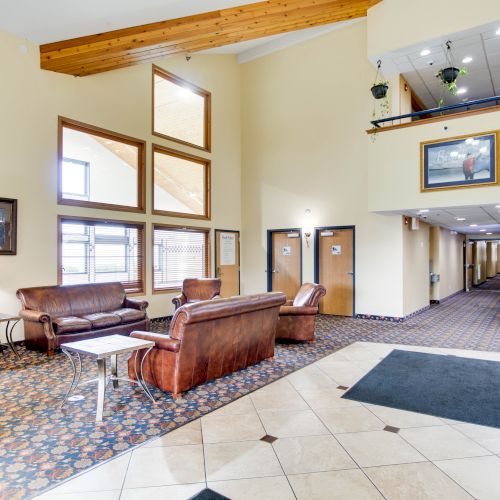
394	166
498	257
305	111
491	259
415	267
447	260
120	101
479	262
395	24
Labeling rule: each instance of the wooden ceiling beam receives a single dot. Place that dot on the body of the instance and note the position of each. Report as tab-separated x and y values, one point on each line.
120	48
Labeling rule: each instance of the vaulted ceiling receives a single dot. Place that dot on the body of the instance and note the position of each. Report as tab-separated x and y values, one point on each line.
193	33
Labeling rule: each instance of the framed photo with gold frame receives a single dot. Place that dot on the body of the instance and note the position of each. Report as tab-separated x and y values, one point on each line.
8	226
459	162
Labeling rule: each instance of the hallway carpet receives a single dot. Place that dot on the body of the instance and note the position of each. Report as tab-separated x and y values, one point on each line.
41	445
491	284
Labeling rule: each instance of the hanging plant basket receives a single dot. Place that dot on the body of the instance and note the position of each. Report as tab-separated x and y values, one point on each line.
449	75
379	90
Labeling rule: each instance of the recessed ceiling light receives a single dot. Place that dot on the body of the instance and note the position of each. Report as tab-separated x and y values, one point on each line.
467	60
472	225
461	90
497	206
497	32
482	230
425	52
423	211
489	233
461	218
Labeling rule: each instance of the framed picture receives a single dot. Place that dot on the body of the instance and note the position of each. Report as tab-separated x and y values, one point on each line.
8	226
466	161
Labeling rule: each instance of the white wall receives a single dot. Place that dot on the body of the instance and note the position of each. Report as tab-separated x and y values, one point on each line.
305	111
120	101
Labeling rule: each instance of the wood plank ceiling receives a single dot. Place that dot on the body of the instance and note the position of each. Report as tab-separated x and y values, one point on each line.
126	47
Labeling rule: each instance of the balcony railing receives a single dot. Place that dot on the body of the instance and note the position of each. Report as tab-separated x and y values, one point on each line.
441	110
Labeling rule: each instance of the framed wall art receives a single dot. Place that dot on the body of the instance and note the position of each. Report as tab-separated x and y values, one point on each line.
8	226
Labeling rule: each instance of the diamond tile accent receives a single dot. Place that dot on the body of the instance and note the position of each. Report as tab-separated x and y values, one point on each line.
390	428
208	494
268	439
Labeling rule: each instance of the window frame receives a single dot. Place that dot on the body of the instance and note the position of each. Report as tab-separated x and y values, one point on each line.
141	227
106	134
207	119
86	165
171	227
207	164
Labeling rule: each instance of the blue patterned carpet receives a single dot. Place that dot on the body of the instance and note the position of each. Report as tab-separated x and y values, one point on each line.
41	445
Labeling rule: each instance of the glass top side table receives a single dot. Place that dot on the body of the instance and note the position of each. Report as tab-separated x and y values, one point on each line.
10	320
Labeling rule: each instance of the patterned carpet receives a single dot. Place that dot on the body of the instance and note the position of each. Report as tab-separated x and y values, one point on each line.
492	284
41	445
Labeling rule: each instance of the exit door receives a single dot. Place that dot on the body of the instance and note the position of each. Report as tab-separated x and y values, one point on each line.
227	261
334	265
285	261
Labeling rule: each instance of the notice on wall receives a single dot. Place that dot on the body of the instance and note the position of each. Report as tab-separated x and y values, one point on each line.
227	249
287	251
336	249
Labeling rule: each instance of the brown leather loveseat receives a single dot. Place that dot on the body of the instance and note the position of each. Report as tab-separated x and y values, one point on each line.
210	339
56	314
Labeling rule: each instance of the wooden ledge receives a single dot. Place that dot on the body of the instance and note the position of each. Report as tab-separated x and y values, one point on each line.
435	119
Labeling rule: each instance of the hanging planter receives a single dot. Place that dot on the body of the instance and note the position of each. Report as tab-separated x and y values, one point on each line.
379	90
449	75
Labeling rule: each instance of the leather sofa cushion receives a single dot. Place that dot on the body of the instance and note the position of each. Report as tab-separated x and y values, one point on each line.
128	315
103	320
70	324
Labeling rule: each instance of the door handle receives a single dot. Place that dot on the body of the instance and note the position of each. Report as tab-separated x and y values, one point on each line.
350	273
275	271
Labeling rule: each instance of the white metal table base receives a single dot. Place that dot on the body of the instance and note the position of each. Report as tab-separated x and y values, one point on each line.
103	379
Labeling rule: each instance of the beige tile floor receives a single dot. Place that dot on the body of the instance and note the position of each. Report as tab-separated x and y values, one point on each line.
327	447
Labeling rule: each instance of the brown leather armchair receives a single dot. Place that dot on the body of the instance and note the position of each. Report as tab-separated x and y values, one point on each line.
210	339
196	290
297	317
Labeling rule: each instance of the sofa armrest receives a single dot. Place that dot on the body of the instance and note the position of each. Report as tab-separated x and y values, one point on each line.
34	316
162	341
298	310
139	304
179	300
289	302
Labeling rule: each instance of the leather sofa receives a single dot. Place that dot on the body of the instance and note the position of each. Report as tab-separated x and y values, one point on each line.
197	289
297	317
210	339
54	315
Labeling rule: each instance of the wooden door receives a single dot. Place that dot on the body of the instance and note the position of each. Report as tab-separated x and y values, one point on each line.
227	261
469	265
286	262
335	270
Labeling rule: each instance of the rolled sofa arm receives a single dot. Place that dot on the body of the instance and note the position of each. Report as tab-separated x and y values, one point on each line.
139	304
34	316
298	310
179	300
162	341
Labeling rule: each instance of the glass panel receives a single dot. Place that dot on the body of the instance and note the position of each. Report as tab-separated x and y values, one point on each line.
179	185
178	112
98	169
178	255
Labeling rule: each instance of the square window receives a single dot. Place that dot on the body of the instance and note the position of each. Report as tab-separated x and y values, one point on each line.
181	184
181	110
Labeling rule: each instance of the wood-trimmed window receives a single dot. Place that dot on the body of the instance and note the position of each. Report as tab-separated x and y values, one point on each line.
99	251
181	110
179	253
181	184
99	168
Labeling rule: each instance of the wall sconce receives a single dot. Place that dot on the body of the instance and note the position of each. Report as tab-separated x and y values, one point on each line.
307	226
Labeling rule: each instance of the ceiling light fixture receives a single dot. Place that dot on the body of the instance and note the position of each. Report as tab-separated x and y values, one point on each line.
423	211
482	230
497	32
489	233
425	52
472	225
461	219
461	90
467	60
